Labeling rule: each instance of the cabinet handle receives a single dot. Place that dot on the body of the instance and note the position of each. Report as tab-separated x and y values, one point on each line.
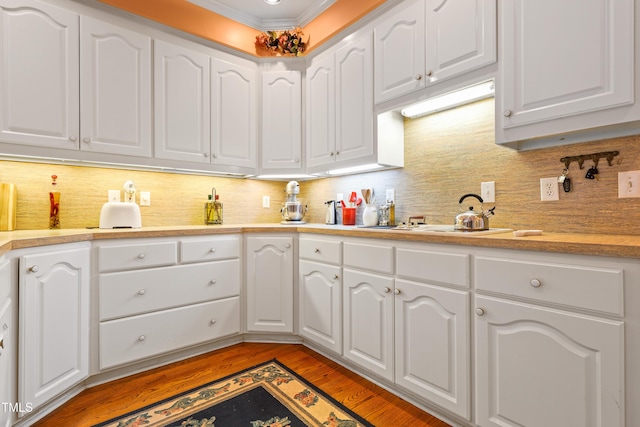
536	283
480	311
337	153
429	73
141	256
2	343
205	154
213	321
86	139
396	291
508	113
316	250
141	292
212	282
297	160
336	277
34	268
387	290
419	77
331	154
141	338
287	246
212	250
214	155
73	138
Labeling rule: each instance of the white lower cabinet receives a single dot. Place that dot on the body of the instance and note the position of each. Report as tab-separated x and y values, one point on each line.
54	288
8	346
161	295
269	281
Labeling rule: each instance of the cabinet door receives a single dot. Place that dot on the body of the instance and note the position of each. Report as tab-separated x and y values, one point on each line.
432	344
368	321
321	112
354	99
281	120
40	72
115	89
554	65
233	114
541	367
182	108
8	346
400	53
54	322
461	36
270	284
320	304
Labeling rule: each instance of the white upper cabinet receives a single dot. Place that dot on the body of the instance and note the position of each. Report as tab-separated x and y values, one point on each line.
115	89
281	120
234	114
321	111
182	103
430	41
40	73
564	72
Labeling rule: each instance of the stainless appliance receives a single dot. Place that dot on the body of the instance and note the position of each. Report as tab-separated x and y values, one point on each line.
331	212
293	210
471	220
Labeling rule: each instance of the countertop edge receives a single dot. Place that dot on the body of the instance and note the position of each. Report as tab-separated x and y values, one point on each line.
571	243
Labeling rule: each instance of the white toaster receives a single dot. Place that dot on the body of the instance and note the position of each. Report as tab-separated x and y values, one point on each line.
120	215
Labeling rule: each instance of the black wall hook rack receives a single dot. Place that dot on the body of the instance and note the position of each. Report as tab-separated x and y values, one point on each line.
609	155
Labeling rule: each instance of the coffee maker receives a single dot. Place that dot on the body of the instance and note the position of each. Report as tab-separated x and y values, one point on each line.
293	210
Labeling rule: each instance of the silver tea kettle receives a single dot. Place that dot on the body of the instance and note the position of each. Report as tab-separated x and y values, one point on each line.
471	220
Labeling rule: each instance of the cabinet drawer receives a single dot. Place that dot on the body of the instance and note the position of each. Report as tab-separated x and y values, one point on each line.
134	292
433	266
134	338
209	249
369	257
591	288
327	251
137	255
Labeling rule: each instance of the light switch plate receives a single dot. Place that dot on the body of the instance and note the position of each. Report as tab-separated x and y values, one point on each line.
266	201
145	198
628	184
114	196
488	191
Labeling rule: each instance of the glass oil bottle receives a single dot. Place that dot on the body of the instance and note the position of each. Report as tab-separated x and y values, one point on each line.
213	209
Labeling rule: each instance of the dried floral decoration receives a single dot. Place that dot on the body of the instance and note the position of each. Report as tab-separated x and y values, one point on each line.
285	43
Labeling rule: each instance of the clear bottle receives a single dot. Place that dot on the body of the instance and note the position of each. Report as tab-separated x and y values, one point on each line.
213	209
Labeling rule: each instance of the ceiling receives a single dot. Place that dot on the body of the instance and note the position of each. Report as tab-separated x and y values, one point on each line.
262	16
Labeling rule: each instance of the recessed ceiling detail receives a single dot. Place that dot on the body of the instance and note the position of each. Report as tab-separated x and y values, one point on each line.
264	17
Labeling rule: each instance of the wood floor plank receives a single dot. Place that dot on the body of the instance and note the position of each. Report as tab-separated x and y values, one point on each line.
368	400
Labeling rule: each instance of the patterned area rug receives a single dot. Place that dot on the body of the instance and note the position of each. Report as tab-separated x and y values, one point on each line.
267	395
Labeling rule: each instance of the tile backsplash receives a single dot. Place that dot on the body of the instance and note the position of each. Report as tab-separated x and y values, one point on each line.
446	155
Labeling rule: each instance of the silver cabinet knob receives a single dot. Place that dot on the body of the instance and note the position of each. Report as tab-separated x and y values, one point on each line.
212	321
34	268
396	291
86	139
337	153
212	250
214	155
316	250
205	154
336	277
429	73
536	283
287	246
142	292
419	77
141	256
508	113
212	282
480	311
73	138
142	338
387	290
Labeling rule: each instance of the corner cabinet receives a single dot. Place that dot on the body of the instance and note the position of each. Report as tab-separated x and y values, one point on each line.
269	264
430	41
182	103
53	321
281	121
560	74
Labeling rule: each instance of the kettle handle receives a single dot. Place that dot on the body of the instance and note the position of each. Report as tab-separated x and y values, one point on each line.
470	195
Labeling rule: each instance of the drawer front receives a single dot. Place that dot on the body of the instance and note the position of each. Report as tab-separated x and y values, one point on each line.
134	292
326	251
591	288
209	249
433	266
133	256
139	337
369	257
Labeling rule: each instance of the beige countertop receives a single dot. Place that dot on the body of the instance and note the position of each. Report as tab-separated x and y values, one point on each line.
587	244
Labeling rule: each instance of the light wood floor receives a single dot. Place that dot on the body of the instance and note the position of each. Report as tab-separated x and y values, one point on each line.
106	401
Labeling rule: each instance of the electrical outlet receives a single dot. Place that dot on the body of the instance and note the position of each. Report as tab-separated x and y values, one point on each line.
339	197
390	195
114	196
145	198
549	189
488	191
628	184
266	201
